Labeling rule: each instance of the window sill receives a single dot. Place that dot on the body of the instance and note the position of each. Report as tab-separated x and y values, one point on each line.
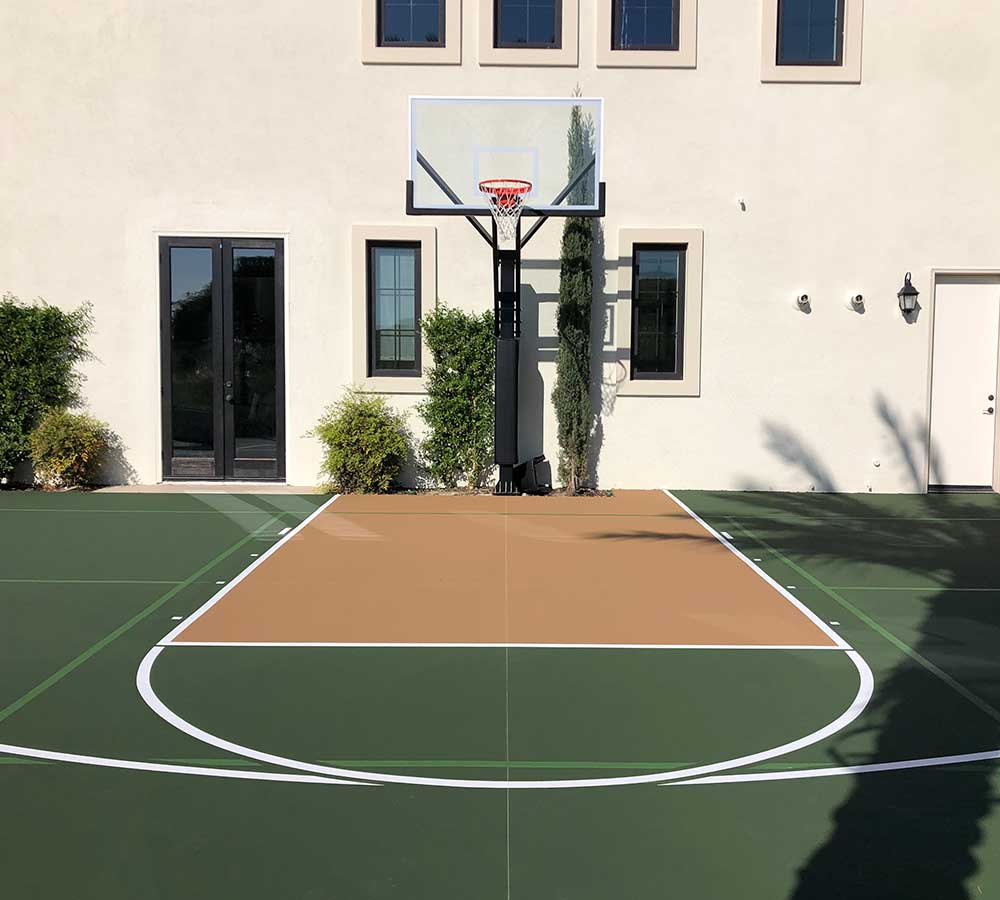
387	384
659	387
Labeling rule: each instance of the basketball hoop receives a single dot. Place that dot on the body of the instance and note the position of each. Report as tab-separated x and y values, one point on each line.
506	199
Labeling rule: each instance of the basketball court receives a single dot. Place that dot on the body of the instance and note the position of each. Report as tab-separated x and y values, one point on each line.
426	696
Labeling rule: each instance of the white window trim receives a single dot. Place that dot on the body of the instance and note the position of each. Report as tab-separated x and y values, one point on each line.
684	57
689	385
448	55
426	235
566	55
847	73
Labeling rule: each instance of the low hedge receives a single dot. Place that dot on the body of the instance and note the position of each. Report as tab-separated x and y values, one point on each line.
67	449
365	444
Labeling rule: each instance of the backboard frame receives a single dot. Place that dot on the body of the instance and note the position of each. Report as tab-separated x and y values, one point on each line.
468	210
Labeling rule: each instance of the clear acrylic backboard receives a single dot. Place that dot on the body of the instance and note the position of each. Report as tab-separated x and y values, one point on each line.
458	142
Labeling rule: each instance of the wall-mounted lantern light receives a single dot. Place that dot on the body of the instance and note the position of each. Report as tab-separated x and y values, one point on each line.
803	302
858	302
908	297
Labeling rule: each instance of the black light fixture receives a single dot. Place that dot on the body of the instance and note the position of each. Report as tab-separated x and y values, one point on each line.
908	296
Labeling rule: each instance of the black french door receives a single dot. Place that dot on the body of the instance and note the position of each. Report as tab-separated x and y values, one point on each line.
223	372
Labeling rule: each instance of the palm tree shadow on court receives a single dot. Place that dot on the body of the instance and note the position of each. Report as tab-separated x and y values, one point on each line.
903	834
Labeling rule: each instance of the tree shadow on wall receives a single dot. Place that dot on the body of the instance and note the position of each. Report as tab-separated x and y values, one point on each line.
903	834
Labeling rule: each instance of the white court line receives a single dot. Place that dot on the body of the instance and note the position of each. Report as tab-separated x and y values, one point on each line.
847	770
145	688
218	595
509	645
140	766
798	604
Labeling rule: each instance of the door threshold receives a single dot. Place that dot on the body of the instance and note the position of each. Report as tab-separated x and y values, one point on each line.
213	487
959	489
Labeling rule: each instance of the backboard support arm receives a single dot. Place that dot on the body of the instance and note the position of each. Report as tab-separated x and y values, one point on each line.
447	191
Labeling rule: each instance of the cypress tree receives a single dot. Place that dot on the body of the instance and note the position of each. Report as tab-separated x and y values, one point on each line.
571	394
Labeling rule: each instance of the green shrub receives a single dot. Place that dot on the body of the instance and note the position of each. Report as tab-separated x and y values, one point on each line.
365	443
67	449
40	347
459	407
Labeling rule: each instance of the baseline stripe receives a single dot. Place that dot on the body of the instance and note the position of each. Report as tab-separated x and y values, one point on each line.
307	644
930	762
140	766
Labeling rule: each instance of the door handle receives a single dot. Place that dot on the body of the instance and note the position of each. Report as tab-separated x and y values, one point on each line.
229	399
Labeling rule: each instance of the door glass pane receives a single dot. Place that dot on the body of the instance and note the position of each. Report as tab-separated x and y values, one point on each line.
192	372
255	415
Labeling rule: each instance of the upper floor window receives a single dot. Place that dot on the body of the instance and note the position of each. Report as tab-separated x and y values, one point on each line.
411	23
658	310
645	24
527	23
393	308
810	32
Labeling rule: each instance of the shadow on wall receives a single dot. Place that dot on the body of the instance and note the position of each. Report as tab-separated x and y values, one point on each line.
116	468
909	835
906	448
533	396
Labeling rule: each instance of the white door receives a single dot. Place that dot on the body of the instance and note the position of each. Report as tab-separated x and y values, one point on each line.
964	379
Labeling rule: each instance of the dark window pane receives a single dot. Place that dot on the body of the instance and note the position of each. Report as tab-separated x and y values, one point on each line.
192	372
542	23
411	22
657	301
255	416
425	23
528	22
810	32
394	307
644	25
513	23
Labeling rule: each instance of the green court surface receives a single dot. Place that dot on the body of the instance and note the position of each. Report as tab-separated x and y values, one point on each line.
102	797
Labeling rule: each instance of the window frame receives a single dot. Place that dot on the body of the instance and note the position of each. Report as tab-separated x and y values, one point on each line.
836	62
558	28
678	373
371	246
689	384
566	53
446	53
685	56
675	29
381	43
849	70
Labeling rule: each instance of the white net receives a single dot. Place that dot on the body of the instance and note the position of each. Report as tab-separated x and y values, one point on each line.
506	200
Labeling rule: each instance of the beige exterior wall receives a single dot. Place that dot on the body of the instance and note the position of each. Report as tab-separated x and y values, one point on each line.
126	121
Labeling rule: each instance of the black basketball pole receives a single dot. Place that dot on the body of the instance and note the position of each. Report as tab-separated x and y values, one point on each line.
507	332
